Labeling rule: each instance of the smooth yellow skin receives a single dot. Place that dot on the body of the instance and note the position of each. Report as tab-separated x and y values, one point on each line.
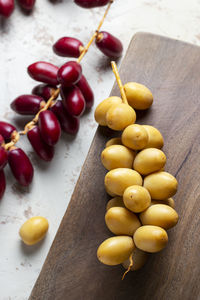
149	160
136	198
150	238
121	221
159	215
33	230
103	107
117	156
119	116
155	138
115	250
135	137
138	95
117	180
169	202
161	185
115	202
139	259
109	192
114	141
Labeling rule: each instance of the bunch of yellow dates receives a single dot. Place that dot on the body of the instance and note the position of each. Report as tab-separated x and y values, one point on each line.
141	209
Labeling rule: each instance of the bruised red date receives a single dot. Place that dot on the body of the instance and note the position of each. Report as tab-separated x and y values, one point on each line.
69	73
43	150
109	44
44	90
3	158
73	100
86	90
44	72
49	127
21	166
91	3
27	4
6	130
68	46
2	183
6	7
27	104
69	124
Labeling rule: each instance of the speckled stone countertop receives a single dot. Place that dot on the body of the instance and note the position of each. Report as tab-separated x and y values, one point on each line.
25	39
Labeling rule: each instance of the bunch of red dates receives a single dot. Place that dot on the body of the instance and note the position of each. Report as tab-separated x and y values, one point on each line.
76	95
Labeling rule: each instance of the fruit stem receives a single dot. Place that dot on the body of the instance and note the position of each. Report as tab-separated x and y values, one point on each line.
96	32
119	82
14	139
129	267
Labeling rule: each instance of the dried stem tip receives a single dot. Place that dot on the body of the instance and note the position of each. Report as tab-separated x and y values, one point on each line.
119	82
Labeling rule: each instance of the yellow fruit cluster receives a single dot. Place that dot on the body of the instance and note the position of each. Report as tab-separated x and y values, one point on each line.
141	209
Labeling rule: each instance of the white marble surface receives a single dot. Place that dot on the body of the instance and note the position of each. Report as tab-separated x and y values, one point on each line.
26	39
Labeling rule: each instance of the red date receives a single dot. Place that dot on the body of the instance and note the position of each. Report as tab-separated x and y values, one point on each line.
91	3
73	100
68	47
69	73
69	124
27	104
3	158
43	150
86	90
27	4
44	90
6	7
109	44
2	183
21	166
6	130
49	127
44	72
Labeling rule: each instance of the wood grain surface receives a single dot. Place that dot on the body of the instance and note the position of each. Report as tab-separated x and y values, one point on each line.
171	69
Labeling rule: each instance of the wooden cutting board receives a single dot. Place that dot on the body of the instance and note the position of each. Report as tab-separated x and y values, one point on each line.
171	69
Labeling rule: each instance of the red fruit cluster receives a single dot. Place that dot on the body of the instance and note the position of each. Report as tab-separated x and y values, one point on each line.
62	114
7	6
52	115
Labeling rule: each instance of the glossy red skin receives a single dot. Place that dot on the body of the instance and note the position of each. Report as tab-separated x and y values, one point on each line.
49	127
73	100
27	104
86	90
44	72
68	123
44	151
21	166
109	45
2	183
44	90
69	73
6	7
6	130
68	47
27	4
3	158
91	3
